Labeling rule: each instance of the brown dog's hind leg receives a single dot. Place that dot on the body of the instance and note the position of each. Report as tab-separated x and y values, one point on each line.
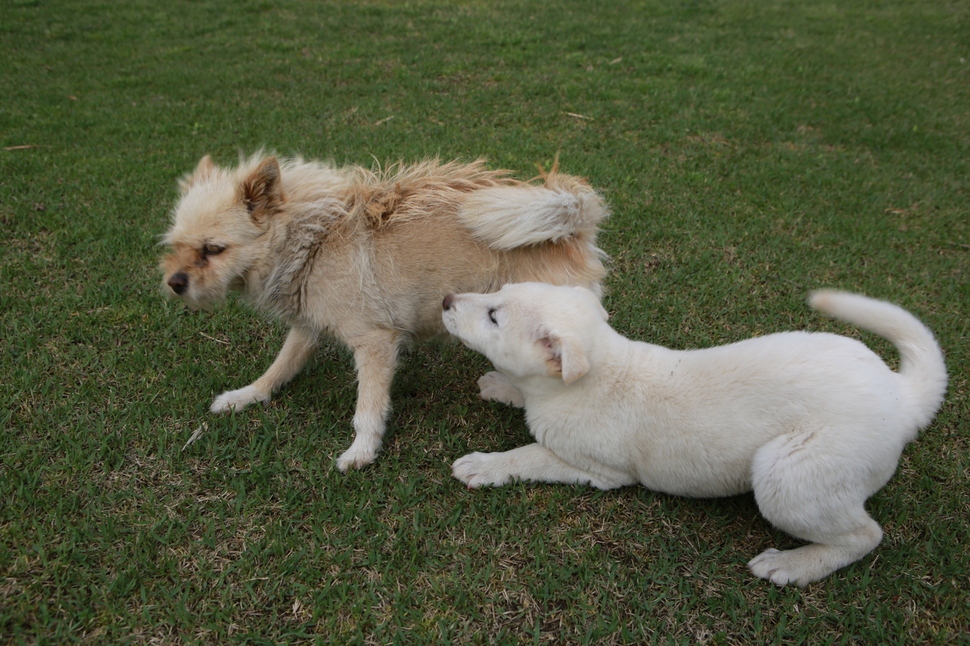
376	357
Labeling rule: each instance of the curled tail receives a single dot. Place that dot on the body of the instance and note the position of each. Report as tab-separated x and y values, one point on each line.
921	360
509	217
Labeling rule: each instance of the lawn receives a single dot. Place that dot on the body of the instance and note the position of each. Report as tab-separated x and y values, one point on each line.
750	151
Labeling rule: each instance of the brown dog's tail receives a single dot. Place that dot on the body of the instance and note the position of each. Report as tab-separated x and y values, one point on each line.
509	217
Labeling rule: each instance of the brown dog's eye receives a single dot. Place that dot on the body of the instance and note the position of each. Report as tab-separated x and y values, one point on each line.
212	250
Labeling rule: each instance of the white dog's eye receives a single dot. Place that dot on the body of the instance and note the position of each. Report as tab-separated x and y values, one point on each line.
212	250
491	316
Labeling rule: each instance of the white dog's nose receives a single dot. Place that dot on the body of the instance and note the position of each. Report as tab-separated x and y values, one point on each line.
446	304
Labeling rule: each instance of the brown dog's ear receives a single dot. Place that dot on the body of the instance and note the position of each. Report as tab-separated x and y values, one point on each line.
262	192
204	169
565	356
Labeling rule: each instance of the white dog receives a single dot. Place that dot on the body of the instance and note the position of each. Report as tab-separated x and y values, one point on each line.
814	424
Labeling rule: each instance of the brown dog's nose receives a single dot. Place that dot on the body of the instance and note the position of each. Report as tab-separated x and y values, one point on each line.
179	283
446	304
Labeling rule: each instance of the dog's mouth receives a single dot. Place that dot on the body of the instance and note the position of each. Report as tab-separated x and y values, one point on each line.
448	318
198	306
451	318
184	293
468	343
201	292
189	303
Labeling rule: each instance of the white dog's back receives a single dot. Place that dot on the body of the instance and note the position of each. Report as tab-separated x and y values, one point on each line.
713	408
691	421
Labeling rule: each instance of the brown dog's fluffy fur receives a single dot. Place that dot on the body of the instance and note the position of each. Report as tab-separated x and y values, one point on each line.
368	256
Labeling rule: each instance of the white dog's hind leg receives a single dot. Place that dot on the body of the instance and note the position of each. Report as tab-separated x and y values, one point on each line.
376	359
531	462
297	348
815	494
494	386
804	565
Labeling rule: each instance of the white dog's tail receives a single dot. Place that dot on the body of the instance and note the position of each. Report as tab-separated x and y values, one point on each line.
508	217
921	360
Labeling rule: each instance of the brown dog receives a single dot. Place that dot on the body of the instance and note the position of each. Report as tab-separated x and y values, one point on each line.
368	256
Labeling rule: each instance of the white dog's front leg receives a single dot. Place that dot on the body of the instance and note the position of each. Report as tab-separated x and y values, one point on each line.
532	462
297	348
494	386
376	359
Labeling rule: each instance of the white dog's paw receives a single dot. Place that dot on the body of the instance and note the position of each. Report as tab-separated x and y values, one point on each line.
238	399
495	387
359	455
781	568
480	470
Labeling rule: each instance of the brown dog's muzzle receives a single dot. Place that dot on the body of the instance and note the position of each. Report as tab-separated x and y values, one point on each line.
179	282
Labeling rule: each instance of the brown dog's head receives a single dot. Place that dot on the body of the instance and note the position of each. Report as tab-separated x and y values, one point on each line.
218	227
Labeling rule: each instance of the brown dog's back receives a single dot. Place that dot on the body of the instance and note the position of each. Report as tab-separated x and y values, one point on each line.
406	238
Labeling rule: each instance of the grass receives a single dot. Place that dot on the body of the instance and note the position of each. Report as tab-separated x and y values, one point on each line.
750	151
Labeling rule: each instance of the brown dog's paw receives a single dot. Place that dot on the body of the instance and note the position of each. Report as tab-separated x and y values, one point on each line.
237	400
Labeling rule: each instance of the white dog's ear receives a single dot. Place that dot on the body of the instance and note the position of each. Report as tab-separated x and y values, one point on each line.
262	191
565	356
203	170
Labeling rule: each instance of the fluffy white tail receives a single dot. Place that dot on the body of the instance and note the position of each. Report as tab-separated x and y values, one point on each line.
507	217
921	360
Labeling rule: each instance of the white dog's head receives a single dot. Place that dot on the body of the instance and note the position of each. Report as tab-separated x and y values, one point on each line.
529	329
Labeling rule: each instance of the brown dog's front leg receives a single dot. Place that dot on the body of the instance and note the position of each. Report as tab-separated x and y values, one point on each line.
376	357
297	348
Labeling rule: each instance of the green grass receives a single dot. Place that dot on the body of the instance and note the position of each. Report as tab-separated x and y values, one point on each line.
750	151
